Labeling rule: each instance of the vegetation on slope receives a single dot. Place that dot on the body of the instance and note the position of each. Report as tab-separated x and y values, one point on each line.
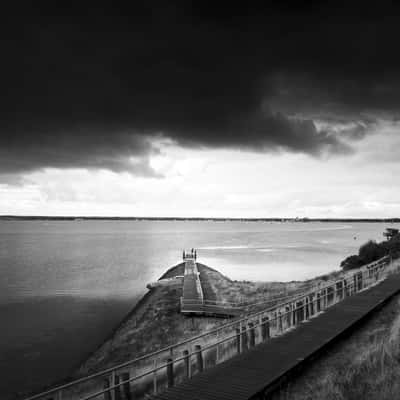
372	251
365	366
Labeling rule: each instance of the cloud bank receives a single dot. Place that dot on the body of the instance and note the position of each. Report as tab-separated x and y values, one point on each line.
93	88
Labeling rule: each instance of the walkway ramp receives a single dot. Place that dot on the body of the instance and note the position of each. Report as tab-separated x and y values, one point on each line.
257	371
194	300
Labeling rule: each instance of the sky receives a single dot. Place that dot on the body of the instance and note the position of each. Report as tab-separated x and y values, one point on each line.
199	110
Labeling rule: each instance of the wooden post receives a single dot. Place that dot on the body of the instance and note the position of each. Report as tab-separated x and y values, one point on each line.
170	372
199	358
280	325
117	389
217	356
355	282
318	302
238	341
287	316
306	309
112	381
186	362
126	387
294	314
252	335
155	376
334	293
299	311
265	334
244	338
106	385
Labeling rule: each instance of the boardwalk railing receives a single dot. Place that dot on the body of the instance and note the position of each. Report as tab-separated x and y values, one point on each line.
153	373
247	306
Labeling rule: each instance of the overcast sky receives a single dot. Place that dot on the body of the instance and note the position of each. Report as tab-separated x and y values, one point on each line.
187	109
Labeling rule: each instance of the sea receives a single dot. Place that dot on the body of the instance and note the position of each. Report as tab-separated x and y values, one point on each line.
65	285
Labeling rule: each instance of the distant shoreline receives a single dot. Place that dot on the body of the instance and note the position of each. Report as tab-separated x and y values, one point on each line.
96	218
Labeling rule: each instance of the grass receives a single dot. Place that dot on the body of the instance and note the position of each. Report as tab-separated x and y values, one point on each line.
365	366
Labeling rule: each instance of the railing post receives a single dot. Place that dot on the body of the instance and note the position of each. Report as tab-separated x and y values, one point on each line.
252	335
265	329
294	322
199	358
280	325
170	372
287	316
117	389
112	382
238	341
306	308
241	337
300	311
216	361
126	387
155	376
244	338
106	385
186	362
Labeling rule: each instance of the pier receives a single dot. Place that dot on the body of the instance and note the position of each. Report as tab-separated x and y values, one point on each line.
193	301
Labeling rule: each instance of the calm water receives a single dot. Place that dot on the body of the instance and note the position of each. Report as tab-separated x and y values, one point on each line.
65	285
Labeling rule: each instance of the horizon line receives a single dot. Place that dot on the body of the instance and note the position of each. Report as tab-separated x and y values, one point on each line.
278	219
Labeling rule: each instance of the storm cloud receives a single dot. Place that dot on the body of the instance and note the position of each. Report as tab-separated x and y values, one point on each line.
95	88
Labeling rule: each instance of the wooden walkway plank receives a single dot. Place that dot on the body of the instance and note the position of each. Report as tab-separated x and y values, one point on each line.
258	369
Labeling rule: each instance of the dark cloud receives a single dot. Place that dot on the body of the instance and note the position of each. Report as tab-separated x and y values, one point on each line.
91	87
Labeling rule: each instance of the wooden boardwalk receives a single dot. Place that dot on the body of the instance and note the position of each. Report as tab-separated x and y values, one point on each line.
191	283
254	373
198	297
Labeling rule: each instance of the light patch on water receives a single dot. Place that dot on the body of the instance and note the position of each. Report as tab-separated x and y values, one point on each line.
266	250
238	247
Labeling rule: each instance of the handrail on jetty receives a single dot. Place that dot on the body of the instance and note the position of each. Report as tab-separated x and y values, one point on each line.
154	372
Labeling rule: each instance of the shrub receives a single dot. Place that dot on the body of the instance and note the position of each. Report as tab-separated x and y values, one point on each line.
371	251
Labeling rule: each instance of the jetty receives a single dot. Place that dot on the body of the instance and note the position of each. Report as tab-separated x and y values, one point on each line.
248	356
195	300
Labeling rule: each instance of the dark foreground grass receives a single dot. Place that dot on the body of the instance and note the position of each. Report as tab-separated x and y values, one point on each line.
364	366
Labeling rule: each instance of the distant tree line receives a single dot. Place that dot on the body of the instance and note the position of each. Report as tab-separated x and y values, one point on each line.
372	251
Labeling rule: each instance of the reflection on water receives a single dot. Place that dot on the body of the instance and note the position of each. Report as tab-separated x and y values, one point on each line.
64	285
